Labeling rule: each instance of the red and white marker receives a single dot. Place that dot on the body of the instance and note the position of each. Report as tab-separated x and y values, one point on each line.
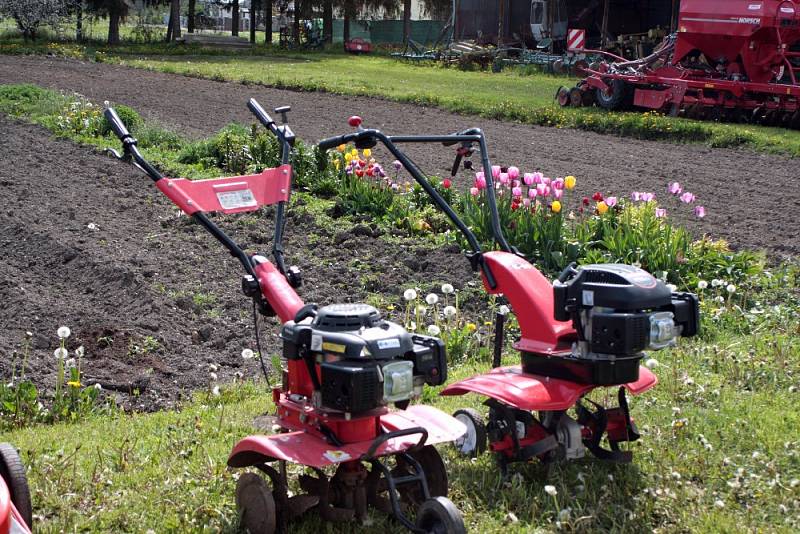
576	40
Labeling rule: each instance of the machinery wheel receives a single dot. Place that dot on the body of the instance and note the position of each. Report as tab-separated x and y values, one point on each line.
562	96
576	97
13	472
796	120
558	66
617	97
440	516
579	67
473	442
256	505
434	469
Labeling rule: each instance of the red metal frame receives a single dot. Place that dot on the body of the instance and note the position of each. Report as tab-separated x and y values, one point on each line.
8	513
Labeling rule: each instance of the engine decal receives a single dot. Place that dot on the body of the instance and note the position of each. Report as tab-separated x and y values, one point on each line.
243	198
392	343
337	456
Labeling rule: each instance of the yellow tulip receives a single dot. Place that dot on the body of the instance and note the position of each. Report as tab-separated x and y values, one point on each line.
348	157
367	153
555	206
336	163
569	182
341	148
354	153
602	207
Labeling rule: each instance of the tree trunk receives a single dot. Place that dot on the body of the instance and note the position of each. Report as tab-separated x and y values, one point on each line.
296	25
502	22
406	20
327	21
235	18
113	26
346	32
175	17
254	7
79	22
268	21
190	21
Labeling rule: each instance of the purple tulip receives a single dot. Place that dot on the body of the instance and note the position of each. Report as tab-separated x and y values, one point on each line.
700	211
661	213
636	195
528	178
675	188
558	183
611	201
397	165
647	197
513	173
687	198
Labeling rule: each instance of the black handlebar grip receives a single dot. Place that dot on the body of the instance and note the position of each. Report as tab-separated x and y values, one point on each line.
116	124
259	112
331	142
568	272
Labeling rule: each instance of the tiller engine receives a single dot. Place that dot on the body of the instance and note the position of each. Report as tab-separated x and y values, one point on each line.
737	60
343	367
588	329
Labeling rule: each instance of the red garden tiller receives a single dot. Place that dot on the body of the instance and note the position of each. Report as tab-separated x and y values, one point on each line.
344	366
588	329
15	498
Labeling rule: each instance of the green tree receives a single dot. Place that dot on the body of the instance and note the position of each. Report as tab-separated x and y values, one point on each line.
115	10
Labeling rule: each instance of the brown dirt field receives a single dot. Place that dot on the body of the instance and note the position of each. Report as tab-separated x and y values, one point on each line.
752	199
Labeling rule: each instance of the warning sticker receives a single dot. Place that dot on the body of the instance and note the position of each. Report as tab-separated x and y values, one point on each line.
392	343
230	200
336	456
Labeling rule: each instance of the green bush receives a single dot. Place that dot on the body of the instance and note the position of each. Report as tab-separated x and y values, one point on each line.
130	118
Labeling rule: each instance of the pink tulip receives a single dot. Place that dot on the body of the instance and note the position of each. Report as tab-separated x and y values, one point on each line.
546	180
675	188
517	192
504	178
558	183
532	192
611	201
528	178
515	183
542	189
480	181
526	202
687	198
558	193
661	213
537	177
700	211
636	195
647	197
513	173
495	171
474	191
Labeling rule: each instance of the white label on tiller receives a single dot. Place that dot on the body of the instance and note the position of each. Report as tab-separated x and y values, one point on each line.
231	200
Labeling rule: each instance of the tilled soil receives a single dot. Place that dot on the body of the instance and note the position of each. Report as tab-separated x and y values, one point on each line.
752	199
88	242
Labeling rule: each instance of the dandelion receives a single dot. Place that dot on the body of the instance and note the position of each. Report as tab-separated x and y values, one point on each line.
431	299
79	352
212	377
731	288
551	490
448	289
503	310
60	353
716	282
434	330
410	294
450	312
98	387
702	284
215	391
651	363
472	327
69	364
569	182
74	383
719	503
63	332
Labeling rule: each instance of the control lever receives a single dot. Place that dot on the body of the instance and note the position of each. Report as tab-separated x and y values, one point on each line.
283	110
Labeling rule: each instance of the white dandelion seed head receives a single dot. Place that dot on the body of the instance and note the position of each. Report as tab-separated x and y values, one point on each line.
551	490
450	312
731	288
702	284
651	363
63	332
719	503
248	354
213	377
215	391
434	330
98	387
503	310
69	363
92	226
410	294
79	352
432	298
60	353
447	289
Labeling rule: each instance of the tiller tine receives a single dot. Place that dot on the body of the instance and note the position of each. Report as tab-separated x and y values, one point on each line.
300	504
616	423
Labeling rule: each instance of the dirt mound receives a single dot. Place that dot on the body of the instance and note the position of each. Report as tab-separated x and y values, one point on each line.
88	242
752	199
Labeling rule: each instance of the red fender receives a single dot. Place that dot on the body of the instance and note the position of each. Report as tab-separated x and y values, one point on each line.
529	392
308	449
10	520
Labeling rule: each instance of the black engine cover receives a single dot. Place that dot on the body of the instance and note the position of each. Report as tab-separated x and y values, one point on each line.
351	386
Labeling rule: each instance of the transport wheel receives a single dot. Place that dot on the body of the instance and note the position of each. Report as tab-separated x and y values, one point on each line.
796	120
13	472
576	97
617	97
440	516
580	67
473	442
562	96
256	505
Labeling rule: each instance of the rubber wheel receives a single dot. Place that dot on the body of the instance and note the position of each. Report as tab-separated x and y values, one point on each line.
256	505
562	97
440	516
796	120
618	97
580	67
473	442
434	469
13	472
575	97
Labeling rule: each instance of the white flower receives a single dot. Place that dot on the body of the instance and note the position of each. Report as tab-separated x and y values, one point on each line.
432	299
794	483
563	515
717	282
212	368
731	288
60	353
503	310
29	334
98	387
651	363
215	391
702	284
721	299
434	330
63	332
450	311
447	289
213	377
79	352
410	294
719	503
92	226
106	103
248	354
551	490
70	363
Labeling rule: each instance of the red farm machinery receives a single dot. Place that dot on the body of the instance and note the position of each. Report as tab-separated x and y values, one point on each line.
735	61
